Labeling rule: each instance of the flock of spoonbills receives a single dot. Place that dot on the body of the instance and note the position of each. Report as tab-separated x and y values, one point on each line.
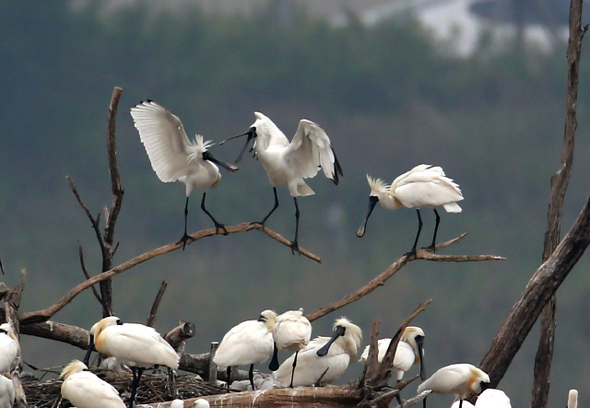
174	158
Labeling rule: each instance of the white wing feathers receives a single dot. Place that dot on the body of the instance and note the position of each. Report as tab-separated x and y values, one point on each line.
311	149
164	139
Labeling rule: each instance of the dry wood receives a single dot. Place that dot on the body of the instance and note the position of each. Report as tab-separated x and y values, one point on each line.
178	336
559	184
539	290
394	268
154	310
45	314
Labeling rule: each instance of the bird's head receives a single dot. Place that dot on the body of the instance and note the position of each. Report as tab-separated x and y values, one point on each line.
7	328
269	318
76	366
251	133
480	380
103	324
414	336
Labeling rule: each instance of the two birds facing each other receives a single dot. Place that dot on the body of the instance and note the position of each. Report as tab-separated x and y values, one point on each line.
287	163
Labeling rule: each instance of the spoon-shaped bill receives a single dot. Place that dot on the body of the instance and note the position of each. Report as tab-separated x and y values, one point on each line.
337	333
229	167
251	133
373	200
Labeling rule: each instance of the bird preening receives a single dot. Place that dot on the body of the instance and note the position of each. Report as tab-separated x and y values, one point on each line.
175	158
423	186
289	163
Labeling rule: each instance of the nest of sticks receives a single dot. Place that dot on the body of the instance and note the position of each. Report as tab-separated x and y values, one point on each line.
153	388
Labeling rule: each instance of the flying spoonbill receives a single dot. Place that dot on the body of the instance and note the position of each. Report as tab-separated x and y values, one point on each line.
248	343
409	352
175	158
287	164
458	379
324	360
135	345
292	331
85	390
423	186
493	398
8	346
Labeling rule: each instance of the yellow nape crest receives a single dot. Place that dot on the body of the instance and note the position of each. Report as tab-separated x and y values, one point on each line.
377	185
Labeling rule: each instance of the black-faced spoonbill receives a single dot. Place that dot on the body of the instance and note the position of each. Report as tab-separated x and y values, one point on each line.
8	346
493	398
423	186
324	360
135	345
175	158
248	343
409	351
287	164
85	390
458	379
292	331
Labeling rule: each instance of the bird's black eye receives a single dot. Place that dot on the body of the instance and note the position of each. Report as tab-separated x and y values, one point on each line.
340	330
119	322
262	319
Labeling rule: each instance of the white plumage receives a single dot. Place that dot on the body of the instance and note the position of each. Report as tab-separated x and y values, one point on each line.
457	379
248	343
423	186
7	393
133	344
324	360
409	351
572	399
493	398
85	390
174	157
289	163
8	346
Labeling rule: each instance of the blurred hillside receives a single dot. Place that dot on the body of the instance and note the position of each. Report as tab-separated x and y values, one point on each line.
389	95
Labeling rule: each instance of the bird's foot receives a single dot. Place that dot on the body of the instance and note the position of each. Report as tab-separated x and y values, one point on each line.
410	253
430	248
294	247
219	226
185	238
261	223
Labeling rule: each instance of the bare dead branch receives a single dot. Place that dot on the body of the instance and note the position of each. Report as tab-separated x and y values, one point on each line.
152	317
64	333
394	268
47	313
178	336
83	266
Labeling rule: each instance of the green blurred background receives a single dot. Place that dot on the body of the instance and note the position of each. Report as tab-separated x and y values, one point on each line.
391	94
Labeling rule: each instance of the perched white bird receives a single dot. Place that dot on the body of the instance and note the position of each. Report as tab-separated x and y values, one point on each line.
493	398
85	390
457	379
201	403
174	157
324	360
292	331
423	186
248	343
8	346
287	164
409	351
572	399
135	345
113	368
7	393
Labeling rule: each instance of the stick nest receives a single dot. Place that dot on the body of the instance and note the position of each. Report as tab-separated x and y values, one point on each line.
153	388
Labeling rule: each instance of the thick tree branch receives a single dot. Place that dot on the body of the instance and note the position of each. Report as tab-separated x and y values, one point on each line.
47	313
154	310
394	268
539	290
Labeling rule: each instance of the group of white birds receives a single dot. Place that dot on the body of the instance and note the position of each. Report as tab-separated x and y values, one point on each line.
175	158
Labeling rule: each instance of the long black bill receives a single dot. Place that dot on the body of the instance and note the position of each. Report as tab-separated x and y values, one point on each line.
229	167
251	133
420	344
89	351
373	200
337	333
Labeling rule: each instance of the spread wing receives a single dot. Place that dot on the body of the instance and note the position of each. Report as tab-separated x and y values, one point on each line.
311	150
164	139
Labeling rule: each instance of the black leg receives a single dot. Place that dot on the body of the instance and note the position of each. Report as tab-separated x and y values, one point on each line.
228	371
185	238
293	369
294	245
413	250
398	398
251	376
218	225
137	372
274	189
274	362
424	402
460	403
432	246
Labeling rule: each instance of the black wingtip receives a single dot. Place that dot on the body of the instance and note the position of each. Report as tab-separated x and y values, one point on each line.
337	168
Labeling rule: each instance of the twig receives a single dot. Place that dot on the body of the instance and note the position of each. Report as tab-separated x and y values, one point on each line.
414	400
83	266
394	268
47	313
152	317
1	267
